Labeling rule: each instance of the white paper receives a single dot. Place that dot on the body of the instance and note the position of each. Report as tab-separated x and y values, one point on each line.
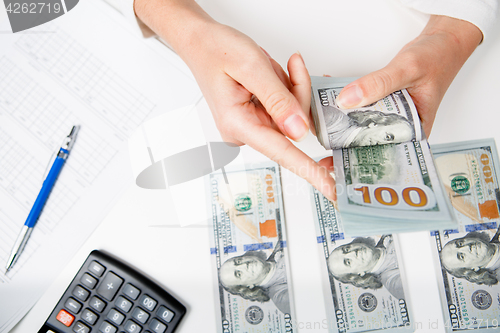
85	68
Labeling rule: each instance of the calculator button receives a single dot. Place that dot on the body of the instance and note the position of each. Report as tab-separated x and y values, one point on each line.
81	293
123	304
107	328
97	303
109	286
148	302
116	317
65	317
131	291
96	268
157	326
81	327
140	315
88	281
165	314
89	316
73	305
132	327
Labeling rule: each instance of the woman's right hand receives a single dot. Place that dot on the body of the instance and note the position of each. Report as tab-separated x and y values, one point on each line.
252	99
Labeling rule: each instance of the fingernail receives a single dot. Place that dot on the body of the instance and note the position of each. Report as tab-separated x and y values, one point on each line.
332	194
296	128
300	55
267	54
350	97
335	202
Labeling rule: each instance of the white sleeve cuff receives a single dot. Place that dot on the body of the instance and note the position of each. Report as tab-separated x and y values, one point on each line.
126	7
481	13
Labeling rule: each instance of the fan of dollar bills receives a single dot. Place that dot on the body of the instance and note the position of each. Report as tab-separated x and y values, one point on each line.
386	178
363	277
468	256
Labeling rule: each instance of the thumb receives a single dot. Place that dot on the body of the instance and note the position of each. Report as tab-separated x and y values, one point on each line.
373	87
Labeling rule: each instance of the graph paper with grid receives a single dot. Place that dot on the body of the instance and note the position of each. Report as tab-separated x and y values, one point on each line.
46	118
89	78
72	73
8	235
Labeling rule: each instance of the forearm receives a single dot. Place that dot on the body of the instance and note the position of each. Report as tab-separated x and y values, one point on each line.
460	37
439	52
482	13
179	22
426	66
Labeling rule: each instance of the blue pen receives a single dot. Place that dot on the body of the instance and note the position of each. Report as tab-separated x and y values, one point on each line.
41	199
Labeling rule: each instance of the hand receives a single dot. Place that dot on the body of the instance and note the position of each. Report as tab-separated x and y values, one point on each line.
425	67
252	99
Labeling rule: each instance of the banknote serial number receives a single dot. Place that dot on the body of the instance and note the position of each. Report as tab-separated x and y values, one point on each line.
33	8
472	324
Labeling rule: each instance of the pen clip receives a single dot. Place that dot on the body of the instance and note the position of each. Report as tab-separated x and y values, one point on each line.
67	144
51	161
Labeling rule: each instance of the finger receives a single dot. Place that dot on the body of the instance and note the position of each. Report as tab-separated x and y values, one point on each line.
262	114
426	106
274	145
281	74
311	124
327	163
375	86
279	71
427	122
279	102
225	109
300	81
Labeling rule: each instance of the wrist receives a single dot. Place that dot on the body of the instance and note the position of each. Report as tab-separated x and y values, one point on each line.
458	34
178	22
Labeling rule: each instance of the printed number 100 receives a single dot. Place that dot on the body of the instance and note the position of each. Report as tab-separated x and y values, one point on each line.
391	198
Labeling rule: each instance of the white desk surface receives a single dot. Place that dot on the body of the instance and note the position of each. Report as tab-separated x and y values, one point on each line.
340	38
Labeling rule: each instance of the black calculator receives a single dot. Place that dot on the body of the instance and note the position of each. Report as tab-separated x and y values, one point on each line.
108	296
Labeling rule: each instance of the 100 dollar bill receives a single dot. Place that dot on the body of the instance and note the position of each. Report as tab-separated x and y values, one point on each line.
250	253
364	287
392	119
390	188
469	256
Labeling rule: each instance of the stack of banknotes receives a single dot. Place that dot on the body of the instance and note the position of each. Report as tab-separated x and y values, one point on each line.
382	189
386	178
363	277
468	256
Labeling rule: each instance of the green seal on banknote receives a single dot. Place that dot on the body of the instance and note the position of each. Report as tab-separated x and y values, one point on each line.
460	184
367	302
481	299
254	315
243	202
